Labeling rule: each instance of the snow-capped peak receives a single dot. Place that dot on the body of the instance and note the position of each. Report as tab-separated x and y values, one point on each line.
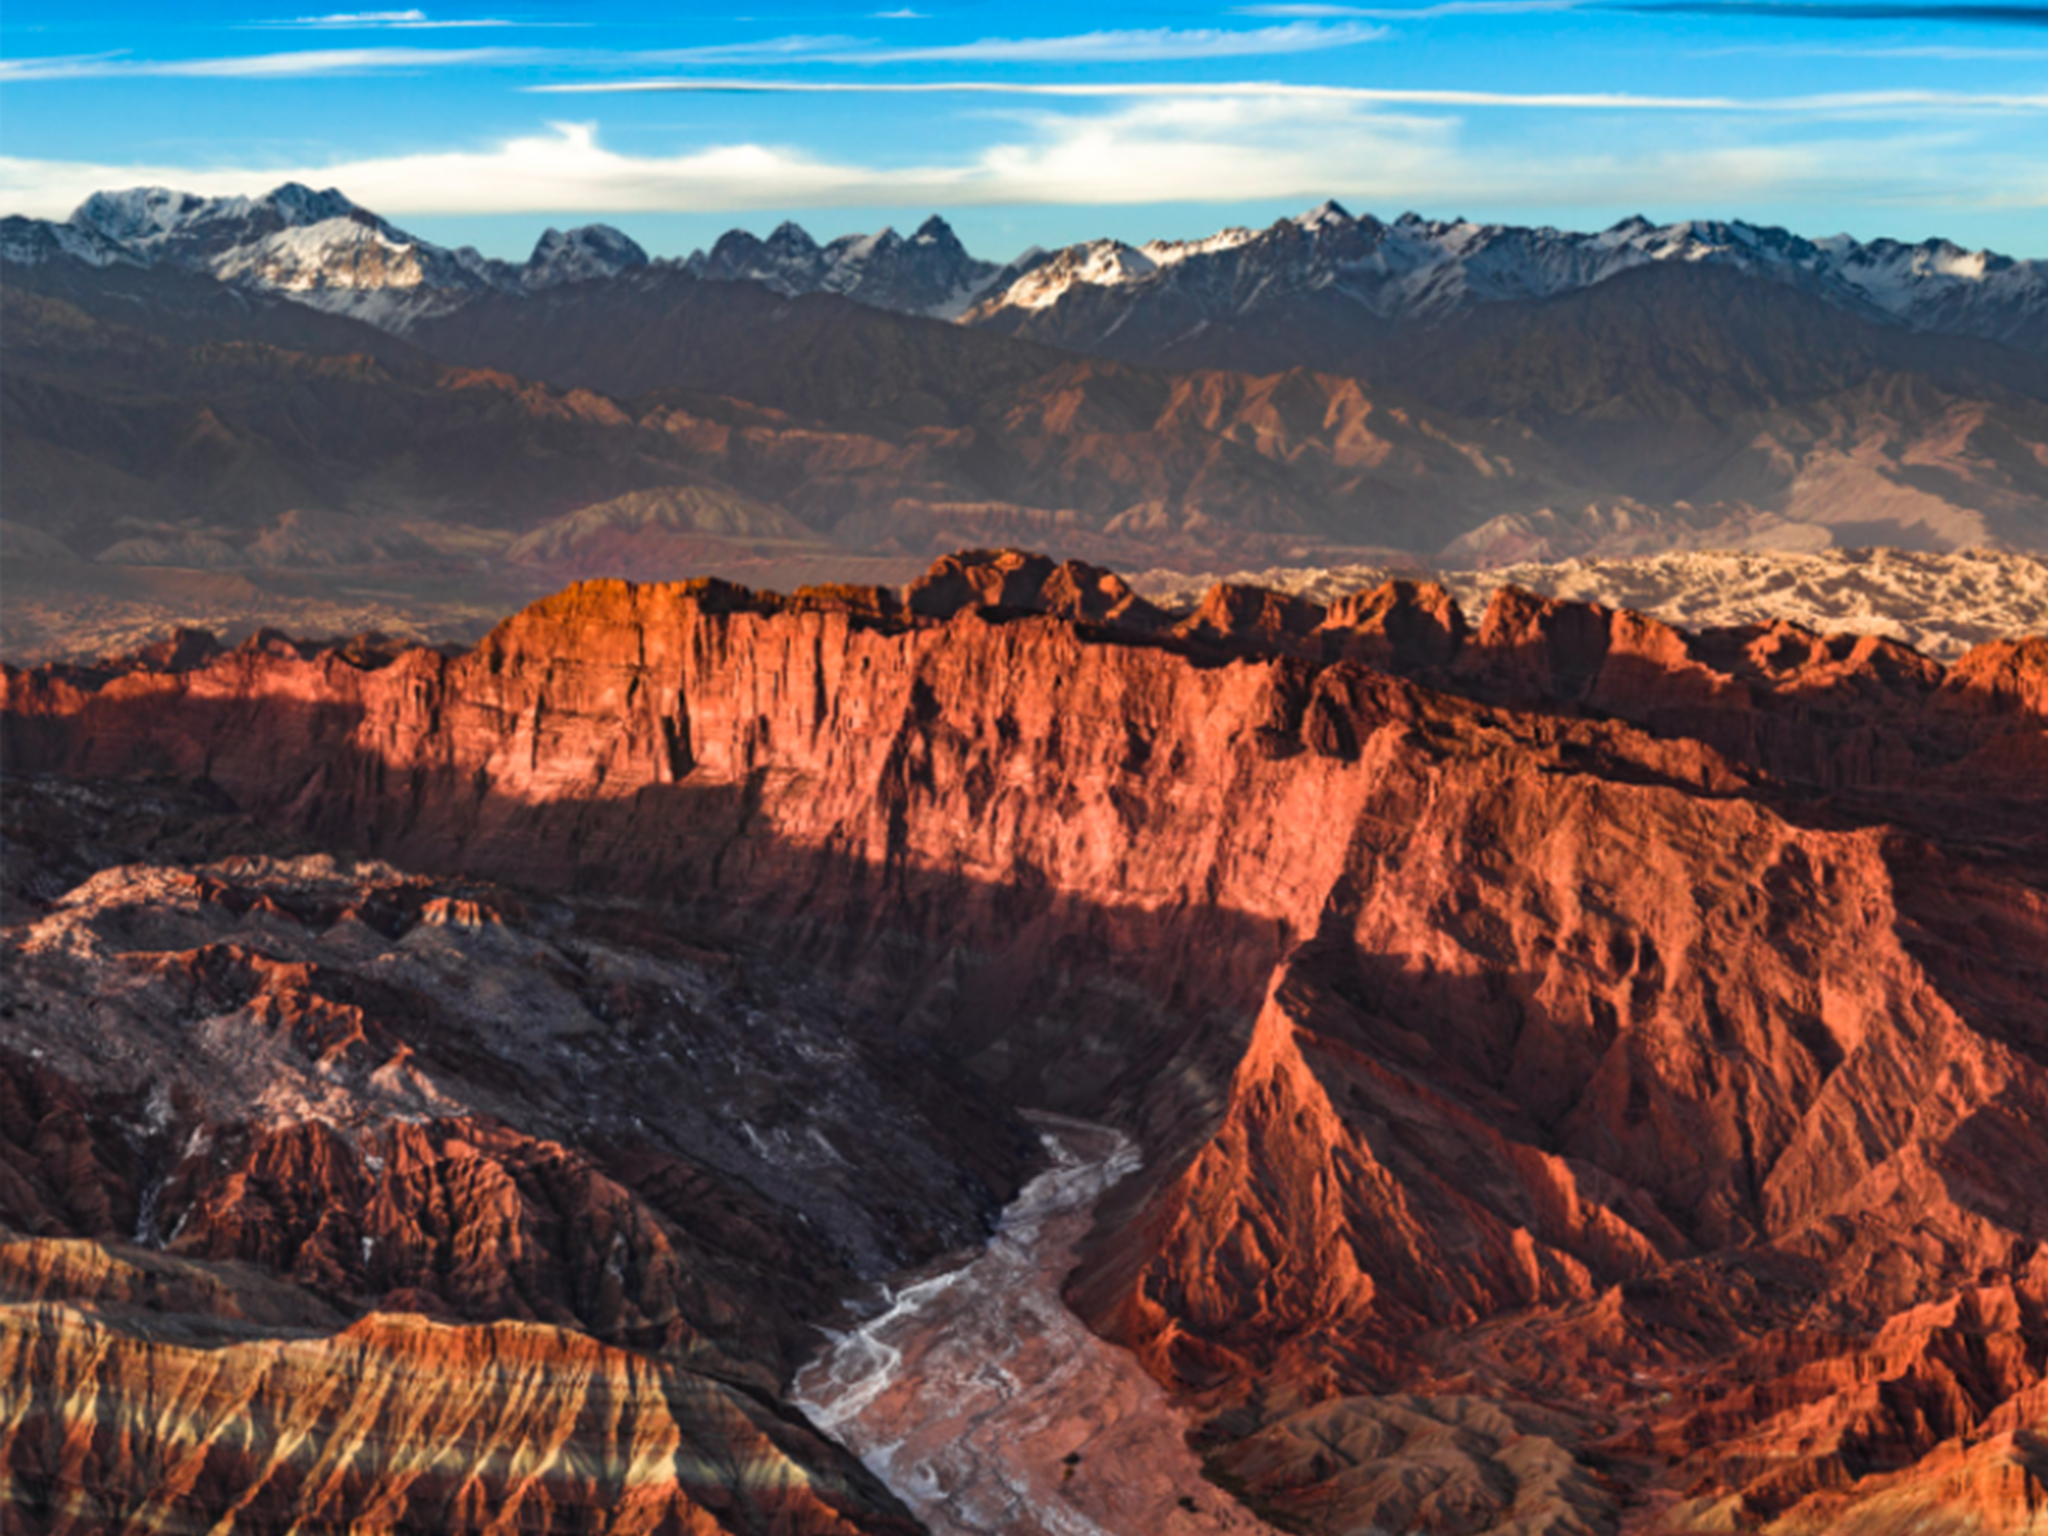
1423	270
1097	264
139	216
853	250
298	204
579	255
317	247
1327	214
31	242
930	273
320	248
151	218
791	236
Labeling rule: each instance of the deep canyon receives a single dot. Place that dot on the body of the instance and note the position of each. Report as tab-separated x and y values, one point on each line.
1588	1074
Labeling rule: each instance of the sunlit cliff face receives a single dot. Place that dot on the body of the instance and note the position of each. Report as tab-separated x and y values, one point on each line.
1582	1068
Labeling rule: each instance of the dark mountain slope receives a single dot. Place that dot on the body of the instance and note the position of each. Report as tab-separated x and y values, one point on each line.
818	356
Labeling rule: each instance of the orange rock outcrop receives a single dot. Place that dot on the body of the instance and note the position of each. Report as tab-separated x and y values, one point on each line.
1594	1075
112	1421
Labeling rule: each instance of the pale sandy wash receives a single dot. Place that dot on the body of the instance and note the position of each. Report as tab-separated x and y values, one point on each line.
1940	604
988	1407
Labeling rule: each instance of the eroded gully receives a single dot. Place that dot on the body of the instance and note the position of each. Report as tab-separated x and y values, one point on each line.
987	1407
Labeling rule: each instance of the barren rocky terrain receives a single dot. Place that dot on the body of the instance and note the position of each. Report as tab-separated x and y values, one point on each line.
988	1406
333	1193
1588	1073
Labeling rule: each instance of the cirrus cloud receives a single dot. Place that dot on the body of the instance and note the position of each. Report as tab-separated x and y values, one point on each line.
401	21
299	64
1144	45
1148	45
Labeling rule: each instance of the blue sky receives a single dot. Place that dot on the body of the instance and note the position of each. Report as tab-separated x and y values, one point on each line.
480	122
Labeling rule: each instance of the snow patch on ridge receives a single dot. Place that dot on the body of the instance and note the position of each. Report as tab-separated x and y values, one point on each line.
1940	604
316	248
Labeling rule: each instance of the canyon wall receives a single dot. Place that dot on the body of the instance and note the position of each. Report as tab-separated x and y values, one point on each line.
1589	1071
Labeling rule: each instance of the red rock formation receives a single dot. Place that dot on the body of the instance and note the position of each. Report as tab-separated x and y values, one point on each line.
1261	621
1403	626
1007	579
111	1420
1639	1032
318	1093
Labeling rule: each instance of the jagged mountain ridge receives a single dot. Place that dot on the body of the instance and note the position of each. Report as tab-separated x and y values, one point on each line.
162	419
316	248
159	420
1159	297
929	273
324	250
1100	295
1940	604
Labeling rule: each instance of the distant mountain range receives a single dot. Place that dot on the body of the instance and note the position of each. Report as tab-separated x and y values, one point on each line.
292	389
322	250
1327	280
928	274
1328	268
316	248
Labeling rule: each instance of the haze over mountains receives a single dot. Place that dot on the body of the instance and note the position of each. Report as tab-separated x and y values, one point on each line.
252	403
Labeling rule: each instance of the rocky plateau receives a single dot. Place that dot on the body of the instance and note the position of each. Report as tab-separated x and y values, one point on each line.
1589	1074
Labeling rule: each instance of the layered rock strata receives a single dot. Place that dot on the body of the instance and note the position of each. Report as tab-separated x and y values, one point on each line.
330	1194
394	1423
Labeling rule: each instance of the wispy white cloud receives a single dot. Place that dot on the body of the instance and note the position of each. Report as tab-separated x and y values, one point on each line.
905	13
1179	148
1147	45
394	21
357	19
312	63
796	49
562	168
300	64
1165	150
1143	45
1902	103
1422	12
1150	89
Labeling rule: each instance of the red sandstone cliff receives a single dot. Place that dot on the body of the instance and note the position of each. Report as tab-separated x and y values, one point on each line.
1628	1045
